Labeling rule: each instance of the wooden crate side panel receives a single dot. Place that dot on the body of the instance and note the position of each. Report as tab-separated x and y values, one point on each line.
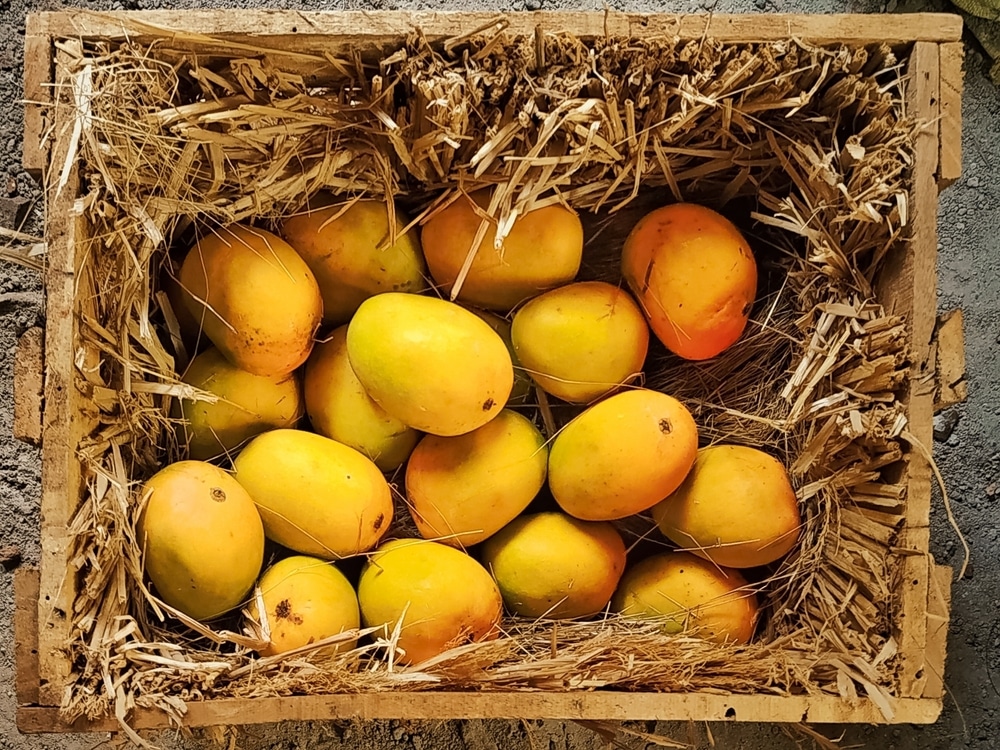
949	342
294	31
28	379
26	636
37	93
539	705
938	615
950	158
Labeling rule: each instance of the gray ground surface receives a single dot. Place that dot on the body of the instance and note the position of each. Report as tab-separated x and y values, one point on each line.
969	456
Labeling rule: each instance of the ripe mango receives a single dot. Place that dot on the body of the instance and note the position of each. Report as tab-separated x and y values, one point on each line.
201	538
689	595
305	600
543	250
695	277
736	508
463	489
316	496
622	455
258	299
554	566
345	250
248	405
341	409
429	363
444	597
524	387
581	341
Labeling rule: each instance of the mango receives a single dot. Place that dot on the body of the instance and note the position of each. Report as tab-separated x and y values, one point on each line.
347	251
622	455
248	405
341	409
443	597
736	508
694	276
429	363
554	566
524	387
259	301
581	341
201	538
543	250
316	496
463	489
305	600
689	595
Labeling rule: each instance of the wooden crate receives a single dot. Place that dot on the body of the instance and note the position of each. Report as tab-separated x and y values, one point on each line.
51	412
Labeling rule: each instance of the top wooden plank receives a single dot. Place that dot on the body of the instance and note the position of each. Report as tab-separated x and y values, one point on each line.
296	31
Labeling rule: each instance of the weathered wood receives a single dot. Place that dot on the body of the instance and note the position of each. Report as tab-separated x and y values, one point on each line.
938	614
37	93
61	425
28	364
310	31
910	621
538	705
950	156
950	352
26	635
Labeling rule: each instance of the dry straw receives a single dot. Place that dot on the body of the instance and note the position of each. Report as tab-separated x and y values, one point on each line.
808	145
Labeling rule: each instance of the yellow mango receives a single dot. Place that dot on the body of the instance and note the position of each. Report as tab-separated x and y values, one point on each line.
736	508
543	250
429	363
316	496
689	595
463	489
581	341
201	539
622	455
248	405
554	566
341	409
258	299
443	596
695	277
523	388
305	600
346	251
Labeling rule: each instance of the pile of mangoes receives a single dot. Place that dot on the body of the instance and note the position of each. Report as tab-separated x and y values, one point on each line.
340	372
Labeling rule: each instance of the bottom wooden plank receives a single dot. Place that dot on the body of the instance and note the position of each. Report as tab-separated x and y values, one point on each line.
26	635
439	706
938	615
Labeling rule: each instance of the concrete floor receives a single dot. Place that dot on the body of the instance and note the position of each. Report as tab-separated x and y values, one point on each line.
969	451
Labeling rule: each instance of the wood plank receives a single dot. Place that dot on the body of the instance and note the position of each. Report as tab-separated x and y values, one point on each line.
28	364
61	475
952	387
26	635
938	615
910	621
950	127
537	705
37	94
308	31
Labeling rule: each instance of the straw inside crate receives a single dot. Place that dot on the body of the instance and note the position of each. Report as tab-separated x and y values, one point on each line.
807	147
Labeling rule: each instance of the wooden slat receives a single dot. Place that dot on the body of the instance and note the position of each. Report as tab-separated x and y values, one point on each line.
950	355
950	157
37	93
537	705
61	480
910	618
26	635
298	32
938	614
28	363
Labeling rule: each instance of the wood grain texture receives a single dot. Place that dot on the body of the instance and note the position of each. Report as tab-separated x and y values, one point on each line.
950	156
26	635
541	705
37	94
938	615
949	340
28	364
293	31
